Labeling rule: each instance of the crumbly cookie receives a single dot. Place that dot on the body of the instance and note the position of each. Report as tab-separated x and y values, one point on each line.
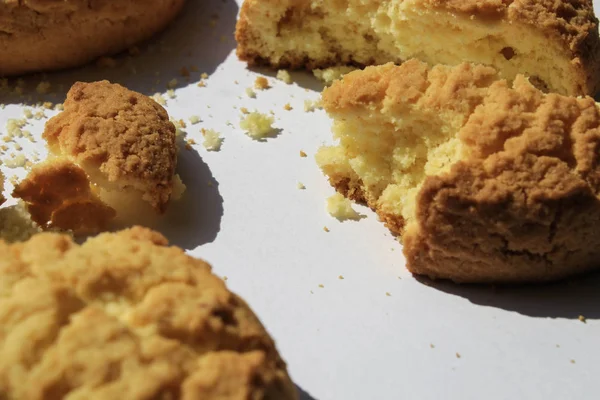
125	316
59	195
2	199
555	43
123	140
486	181
41	35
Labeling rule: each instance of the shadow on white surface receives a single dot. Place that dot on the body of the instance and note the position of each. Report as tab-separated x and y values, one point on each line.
195	219
567	299
200	39
303	395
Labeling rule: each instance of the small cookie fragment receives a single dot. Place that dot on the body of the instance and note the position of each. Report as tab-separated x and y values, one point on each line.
59	195
126	316
2	198
332	74
123	140
258	126
284	75
341	208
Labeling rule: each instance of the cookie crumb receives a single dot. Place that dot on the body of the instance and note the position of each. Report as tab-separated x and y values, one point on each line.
340	208
172	84
244	110
301	186
201	84
257	126
330	75
388	294
326	229
310	105
212	140
582	319
261	83
204	75
194	119
572	361
303	154
157	97
284	75
321	286
458	355
432	346
287	107
250	93
340	277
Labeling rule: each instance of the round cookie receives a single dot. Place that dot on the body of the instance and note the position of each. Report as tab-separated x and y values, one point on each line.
141	321
42	35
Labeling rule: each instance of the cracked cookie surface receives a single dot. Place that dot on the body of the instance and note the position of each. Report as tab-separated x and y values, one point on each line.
485	181
125	316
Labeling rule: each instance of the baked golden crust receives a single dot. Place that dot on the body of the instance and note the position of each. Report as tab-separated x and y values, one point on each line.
39	35
141	321
310	34
118	136
58	195
520	204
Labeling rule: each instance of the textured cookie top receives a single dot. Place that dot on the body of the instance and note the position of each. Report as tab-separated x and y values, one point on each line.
124	316
124	135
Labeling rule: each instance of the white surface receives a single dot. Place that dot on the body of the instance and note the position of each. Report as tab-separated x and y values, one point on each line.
347	340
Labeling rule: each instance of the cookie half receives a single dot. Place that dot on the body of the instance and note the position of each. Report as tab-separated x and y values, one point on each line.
485	181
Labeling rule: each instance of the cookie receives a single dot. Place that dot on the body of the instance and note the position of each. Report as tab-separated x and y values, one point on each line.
485	180
43	35
126	147
555	43
126	316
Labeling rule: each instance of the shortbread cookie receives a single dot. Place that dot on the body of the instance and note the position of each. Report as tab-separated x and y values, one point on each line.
123	316
124	142
554	42
486	181
41	35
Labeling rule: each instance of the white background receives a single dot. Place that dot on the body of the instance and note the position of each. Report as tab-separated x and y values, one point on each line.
347	339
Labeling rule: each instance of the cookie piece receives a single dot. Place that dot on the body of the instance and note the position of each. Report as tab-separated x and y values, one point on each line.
123	141
59	195
555	43
484	180
125	316
42	35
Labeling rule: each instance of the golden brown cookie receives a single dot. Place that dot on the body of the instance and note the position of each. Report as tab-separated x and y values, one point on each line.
486	181
123	141
555	43
2	199
125	316
41	35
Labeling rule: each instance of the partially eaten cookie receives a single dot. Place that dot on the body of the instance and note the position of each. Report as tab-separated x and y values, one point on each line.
126	316
119	141
485	181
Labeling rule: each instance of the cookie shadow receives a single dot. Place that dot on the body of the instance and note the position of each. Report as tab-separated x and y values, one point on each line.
197	42
566	299
303	395
195	219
